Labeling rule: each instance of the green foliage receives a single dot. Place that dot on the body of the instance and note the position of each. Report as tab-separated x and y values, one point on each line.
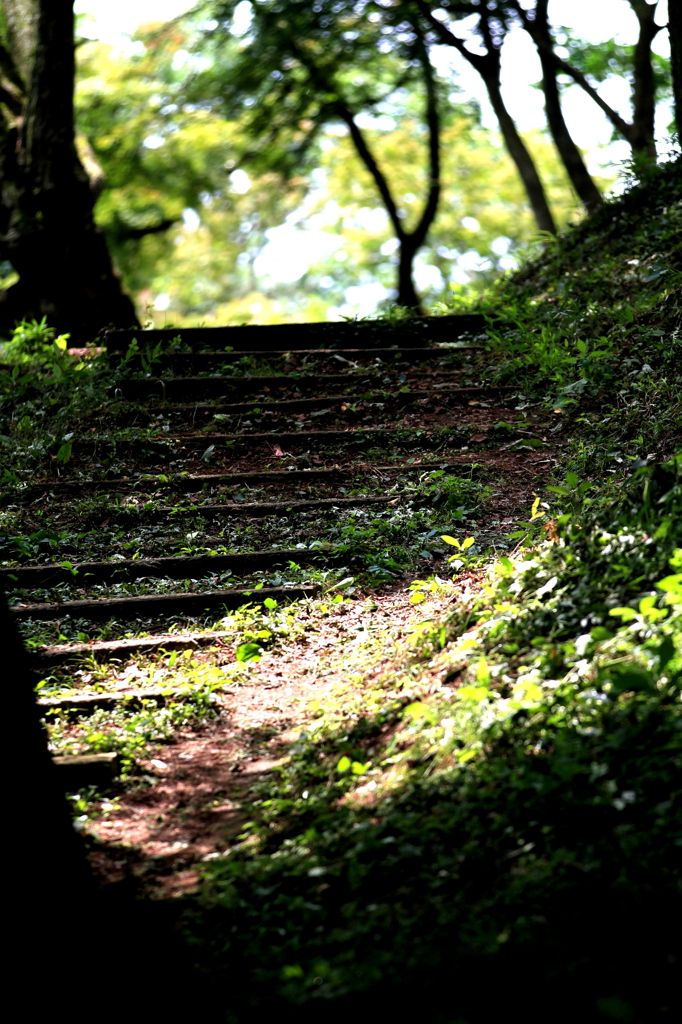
542	771
158	148
510	794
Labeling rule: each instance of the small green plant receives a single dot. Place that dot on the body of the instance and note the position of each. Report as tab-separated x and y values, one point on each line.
460	560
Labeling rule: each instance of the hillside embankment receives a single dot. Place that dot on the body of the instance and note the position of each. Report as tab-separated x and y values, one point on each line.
384	630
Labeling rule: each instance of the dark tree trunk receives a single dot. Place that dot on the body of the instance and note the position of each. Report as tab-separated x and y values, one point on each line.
644	86
410	241
675	32
568	151
640	133
49	232
49	872
525	164
488	67
58	919
407	293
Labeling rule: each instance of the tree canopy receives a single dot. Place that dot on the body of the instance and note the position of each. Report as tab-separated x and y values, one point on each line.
336	125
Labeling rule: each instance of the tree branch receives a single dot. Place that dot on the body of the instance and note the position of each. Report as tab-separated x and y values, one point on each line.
433	121
359	141
10	69
14	105
578	77
365	154
127	234
477	60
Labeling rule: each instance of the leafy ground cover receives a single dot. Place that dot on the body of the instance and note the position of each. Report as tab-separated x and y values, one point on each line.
454	791
505	803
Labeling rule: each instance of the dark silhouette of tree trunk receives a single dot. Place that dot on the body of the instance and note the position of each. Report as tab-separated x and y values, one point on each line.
410	241
46	858
59	920
675	33
488	67
644	86
640	132
570	155
47	227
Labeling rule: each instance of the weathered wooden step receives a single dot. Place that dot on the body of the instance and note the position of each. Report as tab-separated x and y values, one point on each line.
31	577
86	703
112	650
166	388
306	335
191	482
158	604
168	447
286	405
79	770
253	509
321	438
202	360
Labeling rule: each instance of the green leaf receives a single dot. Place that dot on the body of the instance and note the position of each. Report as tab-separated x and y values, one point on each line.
632	680
626	614
290	971
559	490
344	764
451	540
64	453
418	710
601	633
665	652
247	652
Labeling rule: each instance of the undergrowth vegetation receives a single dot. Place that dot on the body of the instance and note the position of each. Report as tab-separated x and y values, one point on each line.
495	821
484	817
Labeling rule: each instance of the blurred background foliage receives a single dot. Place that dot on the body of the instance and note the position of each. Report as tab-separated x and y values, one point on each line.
208	227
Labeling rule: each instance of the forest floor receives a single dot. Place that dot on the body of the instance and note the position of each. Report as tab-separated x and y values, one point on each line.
447	745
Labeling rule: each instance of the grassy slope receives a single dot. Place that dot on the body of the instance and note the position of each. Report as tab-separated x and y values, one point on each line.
518	844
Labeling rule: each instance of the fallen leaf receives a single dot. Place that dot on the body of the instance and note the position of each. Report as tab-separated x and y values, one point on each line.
277	451
478	437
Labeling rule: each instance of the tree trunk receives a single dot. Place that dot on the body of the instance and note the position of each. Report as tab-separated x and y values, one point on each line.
410	242
675	33
488	67
640	133
407	293
644	86
523	160
50	236
568	151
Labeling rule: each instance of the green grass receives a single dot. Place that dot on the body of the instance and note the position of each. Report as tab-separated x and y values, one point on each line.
493	825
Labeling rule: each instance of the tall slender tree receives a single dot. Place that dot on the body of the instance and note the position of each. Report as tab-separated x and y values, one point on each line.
305	66
47	228
491	30
675	33
639	132
539	29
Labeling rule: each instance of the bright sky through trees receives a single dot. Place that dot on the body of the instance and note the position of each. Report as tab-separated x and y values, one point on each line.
593	21
290	250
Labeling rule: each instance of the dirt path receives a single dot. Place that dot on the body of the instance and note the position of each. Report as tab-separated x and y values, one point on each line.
176	470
